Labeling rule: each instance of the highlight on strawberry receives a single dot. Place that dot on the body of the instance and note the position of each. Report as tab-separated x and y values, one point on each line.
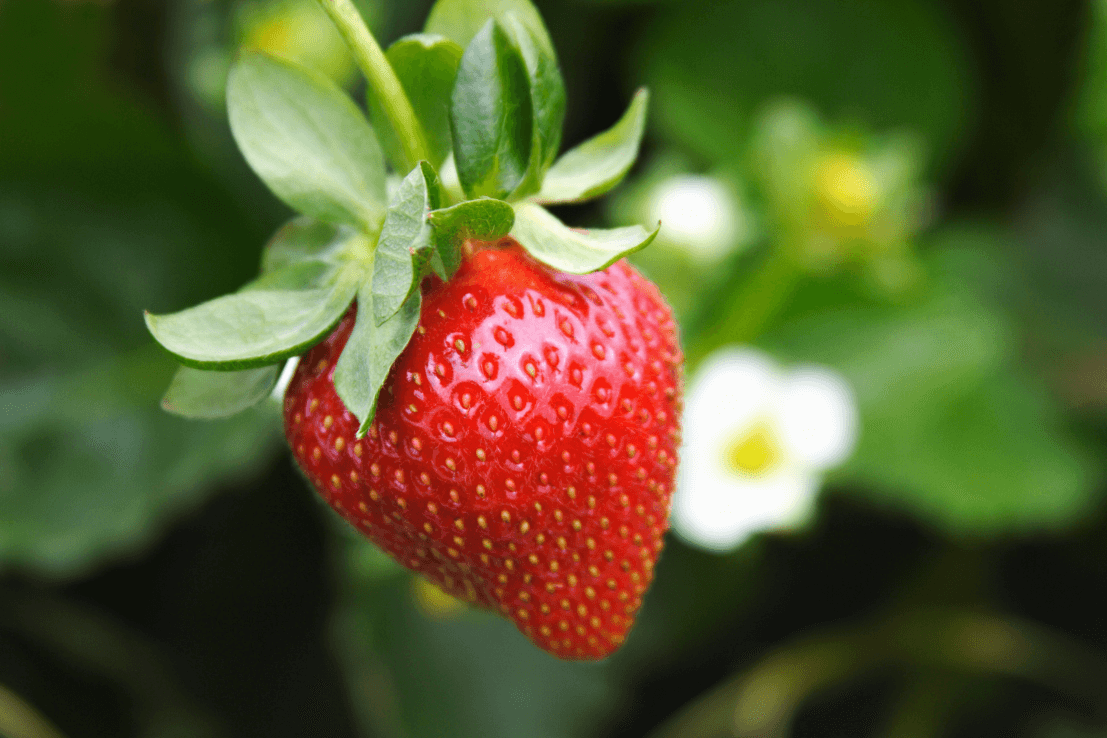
491	396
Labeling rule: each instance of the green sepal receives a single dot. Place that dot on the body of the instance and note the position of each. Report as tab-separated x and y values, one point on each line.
305	239
406	243
254	327
370	353
302	275
307	140
597	165
483	219
426	65
461	20
208	395
570	250
490	115
547	96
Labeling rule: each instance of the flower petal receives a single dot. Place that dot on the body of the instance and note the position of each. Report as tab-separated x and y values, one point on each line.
731	389
717	509
817	417
699	214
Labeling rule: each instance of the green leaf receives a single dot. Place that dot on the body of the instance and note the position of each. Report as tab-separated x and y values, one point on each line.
993	459
205	395
307	141
303	239
94	469
304	275
254	327
951	428
483	219
370	353
461	20
426	65
406	234
601	162
547	96
490	116
570	250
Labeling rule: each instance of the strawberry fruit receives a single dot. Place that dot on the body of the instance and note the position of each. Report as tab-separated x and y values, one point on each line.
490	395
523	449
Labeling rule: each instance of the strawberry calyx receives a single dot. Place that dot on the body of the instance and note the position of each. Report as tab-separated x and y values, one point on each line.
468	115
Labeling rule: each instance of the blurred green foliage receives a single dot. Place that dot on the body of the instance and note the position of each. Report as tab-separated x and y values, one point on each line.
103	212
977	482
889	65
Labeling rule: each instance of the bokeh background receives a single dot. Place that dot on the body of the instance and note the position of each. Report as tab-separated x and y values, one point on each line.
936	171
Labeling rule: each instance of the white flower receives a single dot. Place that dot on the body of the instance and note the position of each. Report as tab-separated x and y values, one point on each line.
757	440
697	213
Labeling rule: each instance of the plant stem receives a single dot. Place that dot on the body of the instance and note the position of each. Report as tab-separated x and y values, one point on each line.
756	301
382	79
762	701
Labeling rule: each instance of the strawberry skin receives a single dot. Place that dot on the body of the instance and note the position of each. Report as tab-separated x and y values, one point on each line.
524	446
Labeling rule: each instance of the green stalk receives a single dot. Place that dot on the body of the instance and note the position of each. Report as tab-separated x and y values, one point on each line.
382	79
768	290
756	301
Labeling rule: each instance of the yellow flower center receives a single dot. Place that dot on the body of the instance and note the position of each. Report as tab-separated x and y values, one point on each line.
847	190
754	452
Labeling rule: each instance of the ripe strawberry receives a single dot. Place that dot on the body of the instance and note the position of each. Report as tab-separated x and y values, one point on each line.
523	450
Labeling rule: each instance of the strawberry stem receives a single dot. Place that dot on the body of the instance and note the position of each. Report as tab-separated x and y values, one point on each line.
759	299
767	290
382	79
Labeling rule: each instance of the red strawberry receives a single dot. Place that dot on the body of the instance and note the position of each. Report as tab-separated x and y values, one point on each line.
524	446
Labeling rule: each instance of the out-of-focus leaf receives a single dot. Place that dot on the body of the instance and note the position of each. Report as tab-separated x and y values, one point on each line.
61	113
426	65
490	116
1059	250
206	395
951	429
307	141
992	460
550	241
97	467
104	210
711	66
594	167
1091	110
461	665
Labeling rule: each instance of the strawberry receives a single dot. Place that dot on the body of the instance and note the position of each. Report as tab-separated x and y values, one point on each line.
504	416
523	450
